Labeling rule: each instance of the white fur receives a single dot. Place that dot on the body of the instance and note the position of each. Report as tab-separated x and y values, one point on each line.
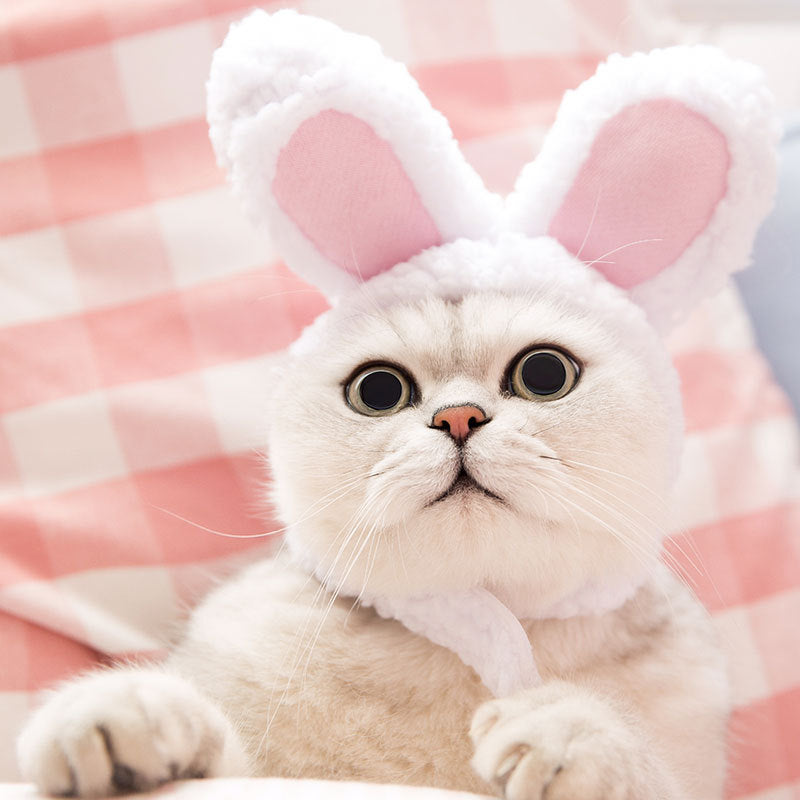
132	729
315	685
321	689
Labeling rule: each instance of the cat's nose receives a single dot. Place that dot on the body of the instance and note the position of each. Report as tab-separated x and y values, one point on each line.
459	421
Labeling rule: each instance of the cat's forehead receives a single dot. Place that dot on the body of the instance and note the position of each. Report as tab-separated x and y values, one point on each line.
468	335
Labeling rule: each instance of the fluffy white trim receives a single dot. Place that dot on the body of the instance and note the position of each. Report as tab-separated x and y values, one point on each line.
275	71
732	96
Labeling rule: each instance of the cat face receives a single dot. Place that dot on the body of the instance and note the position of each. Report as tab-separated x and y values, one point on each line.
545	489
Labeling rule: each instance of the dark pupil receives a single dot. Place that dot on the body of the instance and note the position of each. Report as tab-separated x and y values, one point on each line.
381	390
543	373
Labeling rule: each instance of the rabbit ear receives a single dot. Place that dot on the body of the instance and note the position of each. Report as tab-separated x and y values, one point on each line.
337	150
657	173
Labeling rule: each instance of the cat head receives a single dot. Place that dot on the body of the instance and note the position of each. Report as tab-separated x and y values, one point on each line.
489	401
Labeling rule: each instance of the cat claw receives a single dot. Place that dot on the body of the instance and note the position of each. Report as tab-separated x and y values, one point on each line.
126	731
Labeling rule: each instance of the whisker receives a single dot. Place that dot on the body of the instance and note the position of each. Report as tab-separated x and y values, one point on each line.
617	249
349	483
590	226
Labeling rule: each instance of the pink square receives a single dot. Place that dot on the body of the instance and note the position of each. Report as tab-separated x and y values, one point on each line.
757	751
34	657
703	560
249	314
100	526
137	341
51	26
96	178
165	422
118	257
6	56
474	95
14	677
538	82
179	159
765	548
181	501
75	96
55	657
788	713
25	200
24	555
743	559
44	361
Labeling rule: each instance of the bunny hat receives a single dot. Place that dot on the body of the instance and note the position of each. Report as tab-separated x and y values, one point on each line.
646	195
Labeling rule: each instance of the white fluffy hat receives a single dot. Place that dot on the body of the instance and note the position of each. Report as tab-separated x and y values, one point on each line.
655	175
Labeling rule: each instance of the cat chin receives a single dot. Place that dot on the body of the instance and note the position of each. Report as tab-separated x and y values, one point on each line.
469	540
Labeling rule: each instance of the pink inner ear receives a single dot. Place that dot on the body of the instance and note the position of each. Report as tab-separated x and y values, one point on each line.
345	189
656	171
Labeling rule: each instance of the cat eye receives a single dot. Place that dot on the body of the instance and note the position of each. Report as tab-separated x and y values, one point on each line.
379	390
543	374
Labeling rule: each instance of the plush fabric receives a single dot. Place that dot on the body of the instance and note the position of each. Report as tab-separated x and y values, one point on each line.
663	166
138	309
273	789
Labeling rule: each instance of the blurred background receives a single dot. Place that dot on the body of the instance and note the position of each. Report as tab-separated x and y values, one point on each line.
139	314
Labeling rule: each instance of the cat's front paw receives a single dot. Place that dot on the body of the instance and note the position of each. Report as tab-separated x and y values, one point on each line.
126	731
560	743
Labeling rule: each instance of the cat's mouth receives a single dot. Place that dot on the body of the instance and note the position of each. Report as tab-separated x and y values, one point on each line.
464	482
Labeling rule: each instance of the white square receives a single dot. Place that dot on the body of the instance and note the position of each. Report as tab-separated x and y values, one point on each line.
118	257
776	446
208	237
125	609
64	444
164	422
775	621
17	132
238	394
745	667
36	278
523	29
163	73
766	472
695	494
14	710
384	21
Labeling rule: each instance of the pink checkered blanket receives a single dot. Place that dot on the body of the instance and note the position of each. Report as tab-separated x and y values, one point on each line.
138	310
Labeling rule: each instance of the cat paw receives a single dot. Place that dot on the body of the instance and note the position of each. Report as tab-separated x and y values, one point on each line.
560	743
126	731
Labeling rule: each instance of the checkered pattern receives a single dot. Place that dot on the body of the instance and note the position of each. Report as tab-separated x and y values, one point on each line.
138	312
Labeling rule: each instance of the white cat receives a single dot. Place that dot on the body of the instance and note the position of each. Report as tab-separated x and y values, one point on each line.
633	702
472	453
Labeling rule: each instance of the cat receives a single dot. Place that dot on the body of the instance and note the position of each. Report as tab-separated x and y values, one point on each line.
472	451
278	676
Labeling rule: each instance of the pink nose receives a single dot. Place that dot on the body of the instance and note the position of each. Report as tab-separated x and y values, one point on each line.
458	421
